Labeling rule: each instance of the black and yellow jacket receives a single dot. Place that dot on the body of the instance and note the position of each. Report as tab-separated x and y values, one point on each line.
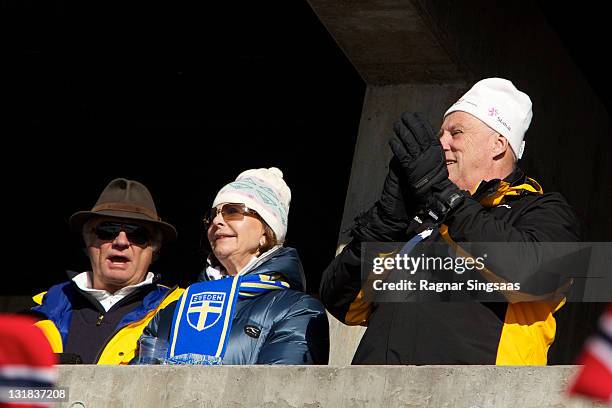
518	333
75	323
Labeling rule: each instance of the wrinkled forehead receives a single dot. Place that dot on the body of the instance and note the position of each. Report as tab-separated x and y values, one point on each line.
465	121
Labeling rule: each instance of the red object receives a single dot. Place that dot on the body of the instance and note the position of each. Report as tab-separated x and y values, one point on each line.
595	378
25	356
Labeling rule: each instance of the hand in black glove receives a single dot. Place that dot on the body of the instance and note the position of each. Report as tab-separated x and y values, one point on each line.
391	200
421	157
388	219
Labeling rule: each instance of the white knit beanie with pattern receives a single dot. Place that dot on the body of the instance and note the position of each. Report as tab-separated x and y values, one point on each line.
263	190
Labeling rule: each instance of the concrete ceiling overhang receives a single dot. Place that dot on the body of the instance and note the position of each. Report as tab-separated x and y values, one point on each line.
441	41
388	41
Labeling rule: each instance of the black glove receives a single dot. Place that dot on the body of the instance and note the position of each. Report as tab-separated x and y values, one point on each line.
389	218
421	157
392	203
375	225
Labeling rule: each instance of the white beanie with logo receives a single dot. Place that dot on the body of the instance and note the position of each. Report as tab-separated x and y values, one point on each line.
264	191
498	103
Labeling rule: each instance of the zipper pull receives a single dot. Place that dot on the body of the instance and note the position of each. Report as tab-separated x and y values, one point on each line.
100	318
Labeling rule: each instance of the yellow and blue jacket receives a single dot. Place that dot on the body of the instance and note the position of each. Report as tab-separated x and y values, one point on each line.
62	302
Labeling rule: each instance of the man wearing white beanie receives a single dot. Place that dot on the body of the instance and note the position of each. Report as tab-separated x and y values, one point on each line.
462	185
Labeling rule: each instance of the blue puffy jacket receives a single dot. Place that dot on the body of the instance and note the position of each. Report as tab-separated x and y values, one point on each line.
279	327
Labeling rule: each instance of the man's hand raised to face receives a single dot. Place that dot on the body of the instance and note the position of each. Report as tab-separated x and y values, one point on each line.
422	160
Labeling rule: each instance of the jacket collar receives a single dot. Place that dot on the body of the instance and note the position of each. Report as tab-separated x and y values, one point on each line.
279	260
486	188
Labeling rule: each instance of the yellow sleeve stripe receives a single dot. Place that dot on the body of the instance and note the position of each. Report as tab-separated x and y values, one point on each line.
39	298
52	334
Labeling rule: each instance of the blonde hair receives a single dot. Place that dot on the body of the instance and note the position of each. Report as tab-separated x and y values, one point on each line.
271	240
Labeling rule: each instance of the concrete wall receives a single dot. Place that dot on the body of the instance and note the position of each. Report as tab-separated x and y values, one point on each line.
343	341
322	386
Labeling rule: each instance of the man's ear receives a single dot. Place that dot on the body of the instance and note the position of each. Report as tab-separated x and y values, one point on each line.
500	145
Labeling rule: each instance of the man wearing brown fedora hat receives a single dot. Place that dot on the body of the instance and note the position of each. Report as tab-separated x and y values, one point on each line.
100	314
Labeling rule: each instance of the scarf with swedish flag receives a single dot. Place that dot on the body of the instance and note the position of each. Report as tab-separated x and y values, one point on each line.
203	317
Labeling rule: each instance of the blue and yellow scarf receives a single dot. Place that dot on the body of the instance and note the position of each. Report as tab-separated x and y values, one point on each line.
203	317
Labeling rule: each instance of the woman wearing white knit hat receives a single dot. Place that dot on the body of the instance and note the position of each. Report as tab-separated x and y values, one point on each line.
249	306
263	197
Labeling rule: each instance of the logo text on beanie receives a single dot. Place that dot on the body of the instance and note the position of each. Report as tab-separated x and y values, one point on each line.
507	126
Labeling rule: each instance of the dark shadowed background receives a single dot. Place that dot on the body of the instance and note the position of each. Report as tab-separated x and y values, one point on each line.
181	96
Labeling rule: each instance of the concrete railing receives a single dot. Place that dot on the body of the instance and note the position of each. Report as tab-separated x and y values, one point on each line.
318	386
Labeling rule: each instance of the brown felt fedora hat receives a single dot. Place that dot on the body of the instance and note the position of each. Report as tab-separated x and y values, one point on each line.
126	199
